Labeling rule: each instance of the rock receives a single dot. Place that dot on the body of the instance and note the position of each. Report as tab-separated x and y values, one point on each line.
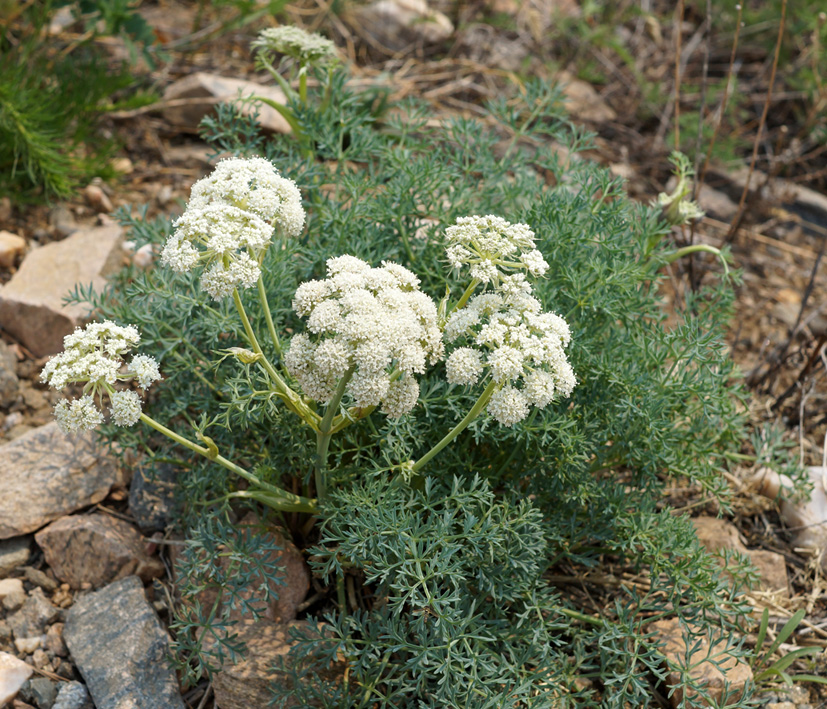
395	25
45	475
5	209
72	695
54	640
808	515
145	256
246	683
41	660
98	199
62	221
40	691
781	705
716	534
31	620
13	674
727	671
716	203
9	383
31	307
38	578
123	165
582	101
152	496
772	568
14	600
11	246
292	570
13	553
10	586
27	645
188	100
484	44
121	650
537	16
93	550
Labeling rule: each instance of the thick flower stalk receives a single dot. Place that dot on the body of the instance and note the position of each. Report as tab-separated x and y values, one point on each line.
510	339
229	224
370	330
492	248
94	357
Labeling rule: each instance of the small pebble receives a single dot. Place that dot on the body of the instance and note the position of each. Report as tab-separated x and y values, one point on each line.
144	256
72	695
97	199
123	165
42	660
28	645
39	578
54	640
14	600
10	586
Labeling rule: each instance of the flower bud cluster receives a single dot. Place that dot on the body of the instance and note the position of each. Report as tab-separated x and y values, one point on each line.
306	47
493	247
94	357
373	323
229	221
522	347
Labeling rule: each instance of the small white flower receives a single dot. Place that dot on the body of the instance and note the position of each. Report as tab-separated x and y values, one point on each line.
508	406
464	366
401	397
485	271
126	408
78	415
179	254
534	262
539	388
506	363
145	370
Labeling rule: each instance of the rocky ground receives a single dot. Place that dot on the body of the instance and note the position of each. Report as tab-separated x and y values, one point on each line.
86	560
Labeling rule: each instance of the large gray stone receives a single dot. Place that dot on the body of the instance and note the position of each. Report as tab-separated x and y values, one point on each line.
120	648
152	496
31	303
188	100
92	550
45	475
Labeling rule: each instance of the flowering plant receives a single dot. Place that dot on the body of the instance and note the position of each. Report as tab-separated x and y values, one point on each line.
458	419
370	330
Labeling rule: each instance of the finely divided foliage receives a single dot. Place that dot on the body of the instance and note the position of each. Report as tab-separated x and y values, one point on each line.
440	575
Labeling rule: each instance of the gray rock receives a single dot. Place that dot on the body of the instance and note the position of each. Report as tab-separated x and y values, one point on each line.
62	220
92	550
45	475
73	695
31	303
13	553
152	496
36	613
9	383
38	578
121	650
398	25
39	691
188	100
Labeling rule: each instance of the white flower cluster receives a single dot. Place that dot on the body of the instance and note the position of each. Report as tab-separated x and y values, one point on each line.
373	321
510	335
308	48
491	246
94	357
230	216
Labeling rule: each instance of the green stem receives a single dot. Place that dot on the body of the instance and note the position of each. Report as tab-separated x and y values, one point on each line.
303	84
472	286
285	500
475	411
686	250
290	398
324	434
262	296
576	615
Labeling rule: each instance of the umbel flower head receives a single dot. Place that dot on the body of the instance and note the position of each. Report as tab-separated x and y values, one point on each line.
676	205
305	47
229	222
493	247
94	357
373	323
522	348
